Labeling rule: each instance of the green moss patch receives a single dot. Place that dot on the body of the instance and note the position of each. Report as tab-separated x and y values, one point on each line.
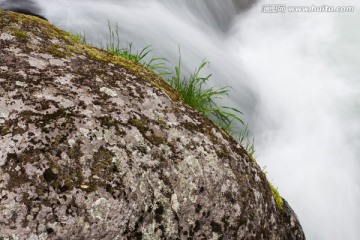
278	198
20	34
142	126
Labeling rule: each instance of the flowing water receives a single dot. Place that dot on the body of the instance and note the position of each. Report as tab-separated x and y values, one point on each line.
294	75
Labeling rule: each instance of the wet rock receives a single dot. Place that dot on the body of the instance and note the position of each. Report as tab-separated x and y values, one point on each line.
95	147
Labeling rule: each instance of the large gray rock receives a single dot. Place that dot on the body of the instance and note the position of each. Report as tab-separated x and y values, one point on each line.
95	147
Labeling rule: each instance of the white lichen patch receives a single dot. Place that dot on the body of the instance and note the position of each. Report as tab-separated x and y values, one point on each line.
16	51
192	196
98	134
4	68
133	137
2	158
237	209
84	97
175	203
11	209
174	134
172	120
151	93
2	79
166	150
86	173
257	195
108	91
225	187
22	125
194	165
111	138
4	179
31	170
37	63
71	142
35	41
57	62
6	37
20	84
43	55
257	178
118	101
120	159
100	209
64	80
186	118
33	71
4	114
64	102
217	134
215	236
84	131
88	113
142	187
55	41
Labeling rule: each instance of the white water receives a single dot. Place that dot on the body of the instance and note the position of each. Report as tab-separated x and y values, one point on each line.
295	76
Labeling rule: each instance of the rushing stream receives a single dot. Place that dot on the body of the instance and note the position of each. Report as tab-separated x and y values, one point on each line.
294	75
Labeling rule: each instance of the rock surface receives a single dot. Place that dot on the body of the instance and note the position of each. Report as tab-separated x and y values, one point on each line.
95	147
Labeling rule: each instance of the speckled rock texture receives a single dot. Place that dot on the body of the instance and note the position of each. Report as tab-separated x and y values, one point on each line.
95	147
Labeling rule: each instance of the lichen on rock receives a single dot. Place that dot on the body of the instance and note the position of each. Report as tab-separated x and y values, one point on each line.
95	147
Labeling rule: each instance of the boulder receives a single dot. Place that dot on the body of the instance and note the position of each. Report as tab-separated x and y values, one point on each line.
93	146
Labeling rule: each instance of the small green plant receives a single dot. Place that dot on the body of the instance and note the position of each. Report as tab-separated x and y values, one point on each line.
242	135
113	45
140	57
194	93
81	38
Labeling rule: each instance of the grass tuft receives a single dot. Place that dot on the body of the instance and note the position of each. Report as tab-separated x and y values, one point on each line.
113	46
194	93
81	38
242	135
